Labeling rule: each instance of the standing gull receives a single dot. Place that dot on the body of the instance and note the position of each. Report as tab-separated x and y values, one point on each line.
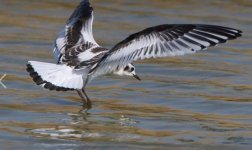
80	59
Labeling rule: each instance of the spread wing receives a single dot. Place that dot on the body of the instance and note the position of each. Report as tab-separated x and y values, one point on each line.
78	30
163	41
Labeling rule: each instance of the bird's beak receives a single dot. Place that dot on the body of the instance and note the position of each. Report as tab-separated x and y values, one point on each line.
137	77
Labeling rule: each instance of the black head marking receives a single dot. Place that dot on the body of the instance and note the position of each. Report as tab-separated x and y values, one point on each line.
126	68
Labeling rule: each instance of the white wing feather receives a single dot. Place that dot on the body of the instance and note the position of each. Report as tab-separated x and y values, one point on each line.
78	30
163	41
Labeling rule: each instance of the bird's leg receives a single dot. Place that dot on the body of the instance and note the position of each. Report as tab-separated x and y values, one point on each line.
88	101
82	96
87	104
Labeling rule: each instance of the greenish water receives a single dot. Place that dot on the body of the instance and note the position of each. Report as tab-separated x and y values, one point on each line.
200	101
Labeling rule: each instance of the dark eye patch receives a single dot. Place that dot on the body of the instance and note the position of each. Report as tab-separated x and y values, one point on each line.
132	69
126	68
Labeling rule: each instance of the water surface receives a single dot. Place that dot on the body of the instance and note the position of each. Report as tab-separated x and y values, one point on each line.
200	101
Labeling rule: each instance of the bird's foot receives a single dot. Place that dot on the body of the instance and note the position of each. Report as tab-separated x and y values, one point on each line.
86	106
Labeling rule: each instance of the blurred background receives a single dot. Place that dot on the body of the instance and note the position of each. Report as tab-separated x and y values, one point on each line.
200	101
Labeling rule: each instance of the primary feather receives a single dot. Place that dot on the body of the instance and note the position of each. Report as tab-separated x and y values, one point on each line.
77	31
163	41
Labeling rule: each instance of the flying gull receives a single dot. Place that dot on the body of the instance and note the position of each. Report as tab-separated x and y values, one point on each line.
80	58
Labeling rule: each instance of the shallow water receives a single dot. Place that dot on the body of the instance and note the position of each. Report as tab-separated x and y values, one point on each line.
200	101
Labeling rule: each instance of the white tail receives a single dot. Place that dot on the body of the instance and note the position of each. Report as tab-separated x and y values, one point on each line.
58	77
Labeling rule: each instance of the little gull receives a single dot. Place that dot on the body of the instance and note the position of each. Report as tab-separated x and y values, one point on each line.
80	59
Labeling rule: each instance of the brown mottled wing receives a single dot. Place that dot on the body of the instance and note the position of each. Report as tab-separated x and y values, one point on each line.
78	31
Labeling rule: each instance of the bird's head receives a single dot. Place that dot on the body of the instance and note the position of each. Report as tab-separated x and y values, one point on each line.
129	70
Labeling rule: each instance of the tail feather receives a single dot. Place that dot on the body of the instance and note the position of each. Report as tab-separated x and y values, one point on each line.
56	77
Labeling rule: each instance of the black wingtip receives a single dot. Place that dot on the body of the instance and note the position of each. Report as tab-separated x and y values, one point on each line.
83	10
